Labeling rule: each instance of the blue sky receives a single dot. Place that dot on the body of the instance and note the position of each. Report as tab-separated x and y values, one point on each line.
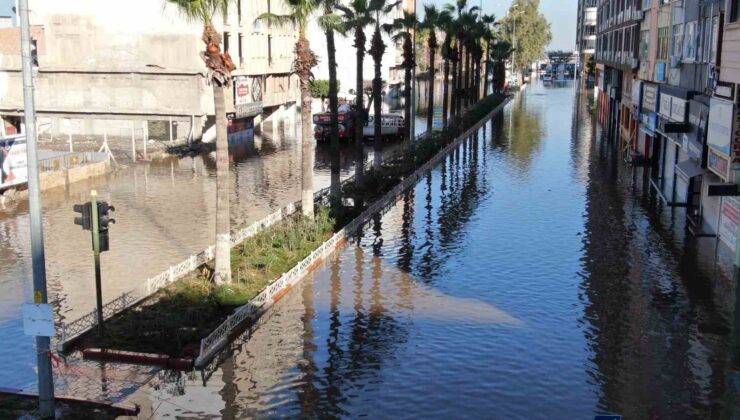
560	13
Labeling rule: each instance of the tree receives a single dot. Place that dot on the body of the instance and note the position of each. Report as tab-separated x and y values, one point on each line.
331	23
532	32
402	30
358	15
320	90
500	53
489	37
446	23
430	24
219	75
305	59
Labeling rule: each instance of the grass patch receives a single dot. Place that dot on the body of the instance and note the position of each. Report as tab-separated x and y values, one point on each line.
174	320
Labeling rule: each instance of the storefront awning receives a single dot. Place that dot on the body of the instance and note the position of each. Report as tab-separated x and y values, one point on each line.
689	169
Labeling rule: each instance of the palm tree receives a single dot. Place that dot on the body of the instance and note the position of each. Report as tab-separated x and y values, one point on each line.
431	22
446	22
331	23
500	52
377	49
404	32
305	59
357	16
489	37
219	75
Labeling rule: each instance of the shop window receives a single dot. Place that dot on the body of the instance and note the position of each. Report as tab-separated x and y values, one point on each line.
689	50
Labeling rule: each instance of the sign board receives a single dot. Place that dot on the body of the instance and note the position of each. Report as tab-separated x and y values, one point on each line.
720	125
649	97
728	221
678	109
736	139
649	122
665	105
718	164
437	120
38	320
242	91
636	97
13	165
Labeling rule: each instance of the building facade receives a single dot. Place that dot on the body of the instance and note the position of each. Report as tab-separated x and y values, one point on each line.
667	88
134	68
586	31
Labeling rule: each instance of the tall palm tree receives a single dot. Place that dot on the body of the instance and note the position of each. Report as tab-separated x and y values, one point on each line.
430	23
331	23
403	31
446	22
489	38
305	59
357	15
219	75
500	52
377	50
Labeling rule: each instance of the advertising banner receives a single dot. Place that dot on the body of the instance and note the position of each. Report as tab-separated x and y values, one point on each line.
13	166
728	221
720	125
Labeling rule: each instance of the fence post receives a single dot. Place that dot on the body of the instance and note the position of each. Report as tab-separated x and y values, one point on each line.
133	142
144	136
170	130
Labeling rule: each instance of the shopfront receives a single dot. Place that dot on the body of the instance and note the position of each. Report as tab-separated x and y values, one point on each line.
247	95
648	121
672	181
724	119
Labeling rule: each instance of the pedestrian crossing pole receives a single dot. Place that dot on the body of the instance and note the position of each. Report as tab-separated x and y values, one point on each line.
95	219
38	259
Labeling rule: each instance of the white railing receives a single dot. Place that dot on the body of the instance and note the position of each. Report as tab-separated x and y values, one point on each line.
211	345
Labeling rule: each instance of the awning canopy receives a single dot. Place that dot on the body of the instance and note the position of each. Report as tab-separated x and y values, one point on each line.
689	169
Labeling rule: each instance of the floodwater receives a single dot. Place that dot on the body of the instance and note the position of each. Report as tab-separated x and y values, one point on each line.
530	275
165	211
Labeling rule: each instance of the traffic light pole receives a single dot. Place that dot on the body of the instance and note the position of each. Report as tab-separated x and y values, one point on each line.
38	259
96	250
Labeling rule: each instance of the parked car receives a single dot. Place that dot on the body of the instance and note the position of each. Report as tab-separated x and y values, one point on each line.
547	77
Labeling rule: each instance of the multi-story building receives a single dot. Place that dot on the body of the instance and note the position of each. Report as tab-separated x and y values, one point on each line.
117	68
667	90
617	37
586	31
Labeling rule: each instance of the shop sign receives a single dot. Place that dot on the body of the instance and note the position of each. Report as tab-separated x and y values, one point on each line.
720	127
718	164
242	91
649	97
636	96
665	105
649	122
736	140
729	220
13	167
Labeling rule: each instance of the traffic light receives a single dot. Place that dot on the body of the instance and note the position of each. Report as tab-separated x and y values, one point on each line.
85	220
104	221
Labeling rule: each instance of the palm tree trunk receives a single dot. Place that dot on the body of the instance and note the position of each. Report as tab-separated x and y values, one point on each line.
467	78
460	72
445	92
407	88
360	116
335	188
222	273
488	69
430	110
307	152
453	102
377	103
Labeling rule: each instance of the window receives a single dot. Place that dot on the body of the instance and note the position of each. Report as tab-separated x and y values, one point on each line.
646	4
226	41
689	50
663	43
677	40
644	43
241	48
734	10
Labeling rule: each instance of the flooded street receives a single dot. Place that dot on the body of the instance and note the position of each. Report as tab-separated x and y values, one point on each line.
165	211
531	275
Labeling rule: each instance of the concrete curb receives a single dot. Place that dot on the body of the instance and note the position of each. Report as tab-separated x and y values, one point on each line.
121	408
121	356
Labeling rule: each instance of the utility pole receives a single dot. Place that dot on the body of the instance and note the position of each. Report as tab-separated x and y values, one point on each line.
43	344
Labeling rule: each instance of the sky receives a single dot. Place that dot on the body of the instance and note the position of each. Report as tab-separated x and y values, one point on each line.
560	13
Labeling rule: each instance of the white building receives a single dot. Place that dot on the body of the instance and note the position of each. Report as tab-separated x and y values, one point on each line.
109	67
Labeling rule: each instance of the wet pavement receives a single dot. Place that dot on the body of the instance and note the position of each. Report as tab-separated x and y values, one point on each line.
530	275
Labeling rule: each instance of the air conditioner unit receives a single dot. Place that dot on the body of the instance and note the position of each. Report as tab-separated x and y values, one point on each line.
675	61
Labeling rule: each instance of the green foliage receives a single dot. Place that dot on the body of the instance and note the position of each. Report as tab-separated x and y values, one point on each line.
532	31
320	88
591	66
201	10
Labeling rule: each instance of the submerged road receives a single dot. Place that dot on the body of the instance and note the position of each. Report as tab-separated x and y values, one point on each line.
531	275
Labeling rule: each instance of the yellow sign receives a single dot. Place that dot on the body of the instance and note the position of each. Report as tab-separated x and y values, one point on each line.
38	297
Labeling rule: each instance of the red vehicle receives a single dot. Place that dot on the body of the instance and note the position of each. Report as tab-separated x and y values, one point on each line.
322	125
